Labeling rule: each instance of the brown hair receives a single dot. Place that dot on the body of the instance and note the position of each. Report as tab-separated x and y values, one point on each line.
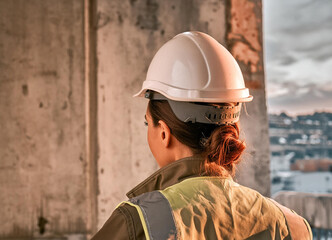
220	145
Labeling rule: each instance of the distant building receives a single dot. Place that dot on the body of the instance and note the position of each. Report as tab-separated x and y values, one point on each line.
310	182
312	165
281	162
308	136
301	152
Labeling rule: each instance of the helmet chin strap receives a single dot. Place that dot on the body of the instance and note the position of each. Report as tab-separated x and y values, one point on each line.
199	112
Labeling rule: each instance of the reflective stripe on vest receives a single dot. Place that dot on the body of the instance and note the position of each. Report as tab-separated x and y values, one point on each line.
209	208
156	215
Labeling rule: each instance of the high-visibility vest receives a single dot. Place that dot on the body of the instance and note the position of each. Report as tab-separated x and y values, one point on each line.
209	208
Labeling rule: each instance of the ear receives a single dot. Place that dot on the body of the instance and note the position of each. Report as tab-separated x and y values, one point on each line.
165	133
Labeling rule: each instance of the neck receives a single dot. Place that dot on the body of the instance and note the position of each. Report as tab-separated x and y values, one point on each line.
178	150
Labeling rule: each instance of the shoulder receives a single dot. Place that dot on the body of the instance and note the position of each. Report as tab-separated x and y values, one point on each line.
124	223
299	227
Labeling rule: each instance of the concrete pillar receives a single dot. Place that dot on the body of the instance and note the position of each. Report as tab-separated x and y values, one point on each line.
43	166
245	41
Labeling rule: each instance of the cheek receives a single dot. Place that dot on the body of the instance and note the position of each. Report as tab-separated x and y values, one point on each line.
154	146
151	142
148	136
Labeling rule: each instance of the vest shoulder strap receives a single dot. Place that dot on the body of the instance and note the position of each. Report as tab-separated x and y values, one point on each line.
141	216
155	214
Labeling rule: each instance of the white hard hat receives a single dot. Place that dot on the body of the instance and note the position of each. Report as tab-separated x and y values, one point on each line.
194	67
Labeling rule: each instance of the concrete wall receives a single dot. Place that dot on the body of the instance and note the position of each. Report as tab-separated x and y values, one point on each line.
72	139
43	175
315	208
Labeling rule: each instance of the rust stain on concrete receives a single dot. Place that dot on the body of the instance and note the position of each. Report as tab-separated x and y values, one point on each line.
254	84
243	53
244	35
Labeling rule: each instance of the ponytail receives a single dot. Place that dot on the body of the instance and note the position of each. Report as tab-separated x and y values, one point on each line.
223	150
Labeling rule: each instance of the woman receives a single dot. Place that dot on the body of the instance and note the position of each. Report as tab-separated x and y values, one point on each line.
195	90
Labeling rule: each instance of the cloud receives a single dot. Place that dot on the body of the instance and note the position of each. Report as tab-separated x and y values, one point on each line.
297	25
296	99
298	54
297	16
301	71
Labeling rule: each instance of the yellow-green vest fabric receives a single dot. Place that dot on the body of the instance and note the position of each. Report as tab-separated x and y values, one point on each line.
209	208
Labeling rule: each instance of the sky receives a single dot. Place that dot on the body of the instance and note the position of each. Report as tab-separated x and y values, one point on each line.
298	55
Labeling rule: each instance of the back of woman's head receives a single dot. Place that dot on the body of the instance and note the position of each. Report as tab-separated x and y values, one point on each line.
219	145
